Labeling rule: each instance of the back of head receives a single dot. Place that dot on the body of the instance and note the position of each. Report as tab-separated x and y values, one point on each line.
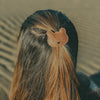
54	20
43	72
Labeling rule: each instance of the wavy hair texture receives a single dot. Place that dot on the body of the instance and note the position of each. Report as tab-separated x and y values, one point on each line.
43	72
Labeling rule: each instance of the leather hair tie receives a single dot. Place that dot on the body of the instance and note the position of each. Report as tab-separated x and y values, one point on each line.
57	39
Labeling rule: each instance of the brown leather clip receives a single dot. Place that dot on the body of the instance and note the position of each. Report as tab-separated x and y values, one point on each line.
57	39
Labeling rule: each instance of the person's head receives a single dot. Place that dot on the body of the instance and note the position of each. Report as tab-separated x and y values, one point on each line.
43	72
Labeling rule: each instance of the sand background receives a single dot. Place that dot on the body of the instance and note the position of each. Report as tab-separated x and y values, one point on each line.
85	15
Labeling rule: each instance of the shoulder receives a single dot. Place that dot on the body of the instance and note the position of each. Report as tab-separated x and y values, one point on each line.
88	90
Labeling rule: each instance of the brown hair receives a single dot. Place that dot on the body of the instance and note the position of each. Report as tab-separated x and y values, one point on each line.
43	72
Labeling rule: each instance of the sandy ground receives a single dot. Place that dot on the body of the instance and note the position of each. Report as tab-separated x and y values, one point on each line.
84	14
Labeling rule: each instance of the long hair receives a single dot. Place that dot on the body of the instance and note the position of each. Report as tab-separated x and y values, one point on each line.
43	72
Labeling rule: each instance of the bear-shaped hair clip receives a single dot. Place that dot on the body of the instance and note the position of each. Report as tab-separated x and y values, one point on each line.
57	39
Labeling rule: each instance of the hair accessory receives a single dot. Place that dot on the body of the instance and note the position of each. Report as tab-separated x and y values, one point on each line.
57	39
